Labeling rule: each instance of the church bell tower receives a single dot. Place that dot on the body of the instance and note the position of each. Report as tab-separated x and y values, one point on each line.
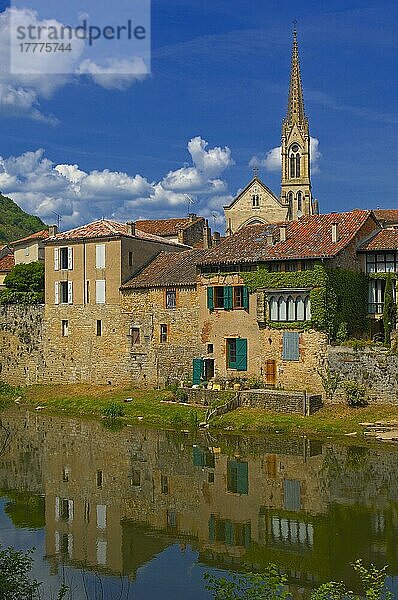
296	180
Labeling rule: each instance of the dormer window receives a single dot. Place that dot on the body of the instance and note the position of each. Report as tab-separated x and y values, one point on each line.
295	159
256	201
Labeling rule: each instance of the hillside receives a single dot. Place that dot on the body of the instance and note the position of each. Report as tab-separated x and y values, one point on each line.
15	223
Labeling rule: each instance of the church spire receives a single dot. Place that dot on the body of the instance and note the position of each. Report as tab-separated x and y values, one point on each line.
295	107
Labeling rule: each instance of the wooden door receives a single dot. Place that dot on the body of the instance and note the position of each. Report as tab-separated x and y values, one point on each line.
270	372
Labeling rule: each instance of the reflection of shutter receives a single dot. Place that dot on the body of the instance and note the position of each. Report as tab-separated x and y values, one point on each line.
197	456
197	370
229	533
228	297
292	494
212	529
245	298
291	345
246	535
56	508
56	259
243	478
70	258
56	292
241	354
70	292
70	509
210	298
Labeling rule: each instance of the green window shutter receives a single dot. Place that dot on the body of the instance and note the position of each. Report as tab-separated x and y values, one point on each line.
210	298
197	456
245	297
212	528
228	303
291	349
197	370
243	478
229	533
241	354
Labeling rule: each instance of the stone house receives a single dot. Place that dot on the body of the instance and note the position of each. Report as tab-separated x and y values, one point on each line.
31	248
86	334
271	296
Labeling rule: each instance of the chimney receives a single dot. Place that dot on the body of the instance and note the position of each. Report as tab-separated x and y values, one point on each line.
130	228
216	238
192	217
206	235
282	233
270	239
335	233
52	230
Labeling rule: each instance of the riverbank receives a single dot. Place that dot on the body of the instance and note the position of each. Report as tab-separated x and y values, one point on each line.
155	408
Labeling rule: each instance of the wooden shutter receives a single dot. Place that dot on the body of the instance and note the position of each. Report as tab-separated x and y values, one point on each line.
245	297
198	457
56	259
229	533
212	528
241	354
100	291
70	292
56	292
291	349
100	256
210	298
243	478
228	297
197	370
70	257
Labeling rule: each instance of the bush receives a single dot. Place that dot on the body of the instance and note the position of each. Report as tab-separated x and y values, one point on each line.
15	567
26	278
181	395
113	410
355	393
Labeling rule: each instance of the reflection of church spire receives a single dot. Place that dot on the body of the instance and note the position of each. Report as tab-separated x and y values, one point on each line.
295	107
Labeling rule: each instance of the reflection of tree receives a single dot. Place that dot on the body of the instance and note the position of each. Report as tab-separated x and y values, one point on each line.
25	510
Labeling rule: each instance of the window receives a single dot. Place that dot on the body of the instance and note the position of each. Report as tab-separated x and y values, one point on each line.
99	327
101	516
299	201
100	256
65	328
65	474
289	307
171	519
291	349
100	291
63	292
131	259
203	457
292	494
294	161
228	297
229	532
210	348
255	201
238	477
376	295
87	511
27	251
136	478
101	551
99	478
382	262
292	532
164	484
65	258
135	335
171	298
66	509
163	333
237	354
87	292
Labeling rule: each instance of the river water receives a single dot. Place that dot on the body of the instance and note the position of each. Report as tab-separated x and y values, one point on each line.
143	513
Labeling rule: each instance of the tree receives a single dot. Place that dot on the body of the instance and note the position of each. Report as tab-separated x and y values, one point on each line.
26	278
389	311
15	584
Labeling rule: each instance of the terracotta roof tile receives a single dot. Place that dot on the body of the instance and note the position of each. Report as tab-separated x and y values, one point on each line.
164	227
388	214
309	237
39	235
386	239
106	228
7	262
168	268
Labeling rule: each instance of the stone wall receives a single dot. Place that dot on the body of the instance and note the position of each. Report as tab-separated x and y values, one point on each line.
377	369
21	344
281	401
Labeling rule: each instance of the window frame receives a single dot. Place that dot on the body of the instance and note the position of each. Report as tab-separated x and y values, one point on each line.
280	301
173	293
163	333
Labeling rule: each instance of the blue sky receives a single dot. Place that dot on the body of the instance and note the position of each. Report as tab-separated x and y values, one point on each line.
220	74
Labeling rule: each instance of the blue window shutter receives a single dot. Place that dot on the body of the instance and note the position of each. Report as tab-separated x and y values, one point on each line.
212	528
228	297
197	456
210	298
241	354
292	494
245	298
291	349
197	370
229	533
243	478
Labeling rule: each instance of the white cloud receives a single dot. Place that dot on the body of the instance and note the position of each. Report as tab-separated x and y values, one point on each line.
41	187
272	161
35	76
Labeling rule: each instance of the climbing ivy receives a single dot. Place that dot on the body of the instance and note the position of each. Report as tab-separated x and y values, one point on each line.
338	296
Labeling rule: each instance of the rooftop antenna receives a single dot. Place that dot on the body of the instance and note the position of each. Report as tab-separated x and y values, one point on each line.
190	202
59	218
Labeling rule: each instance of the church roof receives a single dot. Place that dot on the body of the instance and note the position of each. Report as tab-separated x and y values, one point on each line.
295	107
309	237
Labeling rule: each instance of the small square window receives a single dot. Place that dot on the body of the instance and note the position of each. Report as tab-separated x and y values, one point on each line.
65	328
65	474
210	348
135	335
99	327
163	333
171	298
